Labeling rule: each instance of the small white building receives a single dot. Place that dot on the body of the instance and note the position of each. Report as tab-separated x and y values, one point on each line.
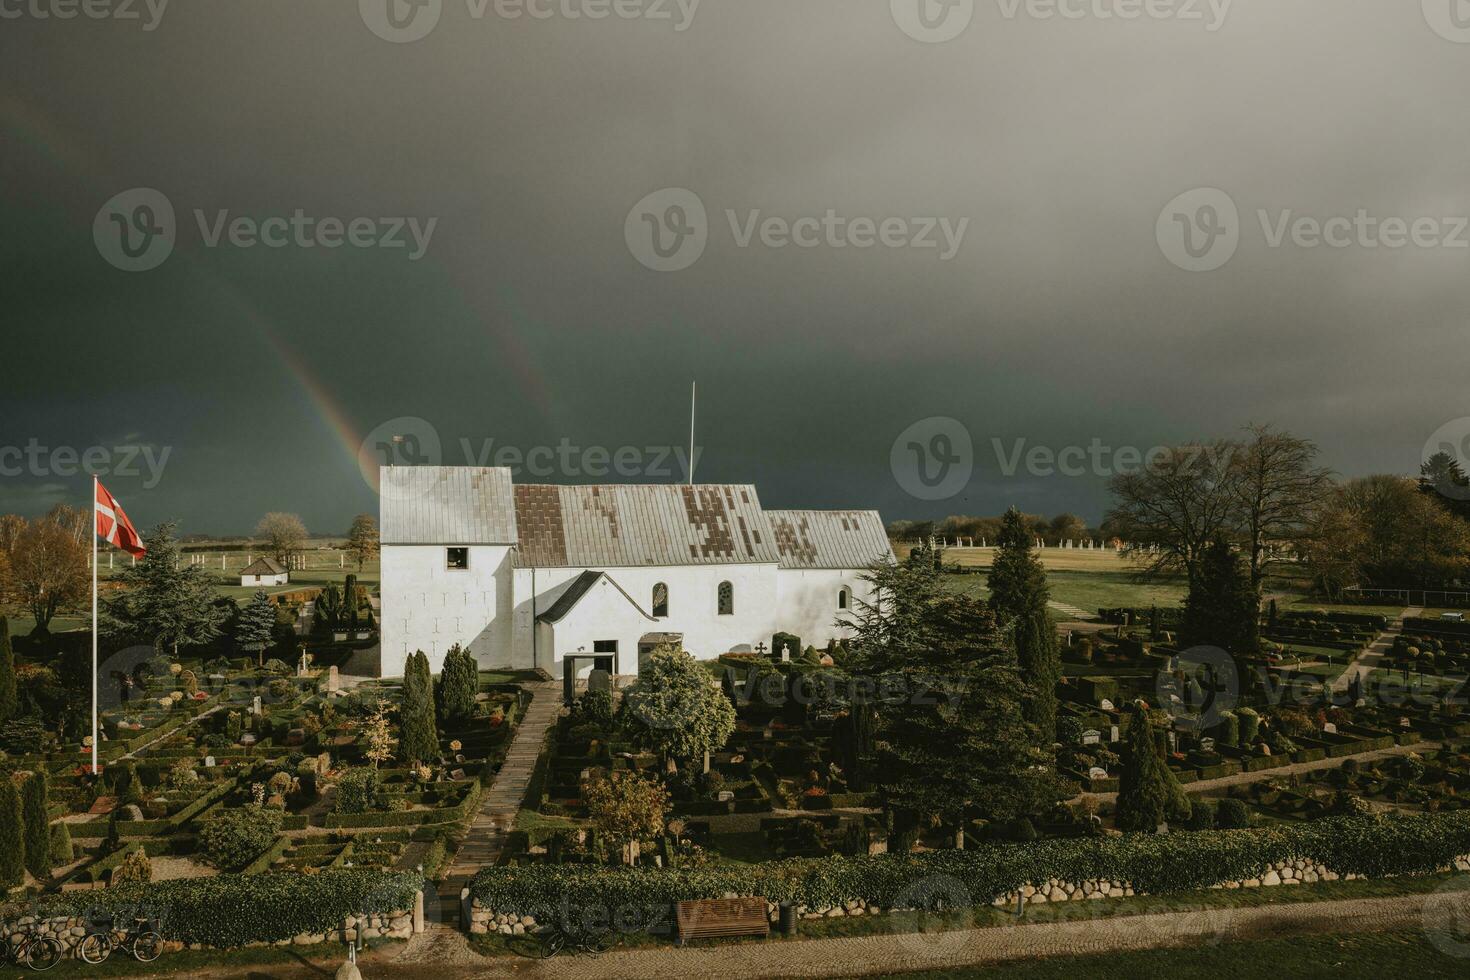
528	576
264	571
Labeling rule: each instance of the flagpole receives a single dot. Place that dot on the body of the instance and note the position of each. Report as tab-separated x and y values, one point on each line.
94	625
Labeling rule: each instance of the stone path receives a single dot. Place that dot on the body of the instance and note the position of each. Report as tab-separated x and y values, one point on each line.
1073	611
1369	659
184	727
502	801
1242	778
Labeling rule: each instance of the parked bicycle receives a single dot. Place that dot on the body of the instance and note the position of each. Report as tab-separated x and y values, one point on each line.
545	945
37	952
141	942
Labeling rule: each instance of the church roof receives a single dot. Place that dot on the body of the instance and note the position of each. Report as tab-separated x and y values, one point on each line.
829	538
630	526
580	586
458	505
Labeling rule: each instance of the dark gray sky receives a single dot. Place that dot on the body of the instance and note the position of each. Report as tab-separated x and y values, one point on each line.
528	320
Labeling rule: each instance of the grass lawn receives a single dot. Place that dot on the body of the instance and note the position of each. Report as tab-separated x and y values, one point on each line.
1388	954
1091	591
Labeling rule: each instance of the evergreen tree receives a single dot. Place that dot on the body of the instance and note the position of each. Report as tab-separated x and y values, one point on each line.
420	736
675	711
62	852
9	700
459	682
1019	596
257	625
37	826
327	610
349	602
164	602
1222	608
12	835
1148	792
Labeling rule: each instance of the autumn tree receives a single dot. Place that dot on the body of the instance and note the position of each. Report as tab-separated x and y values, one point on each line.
1383	531
625	808
362	540
49	570
284	536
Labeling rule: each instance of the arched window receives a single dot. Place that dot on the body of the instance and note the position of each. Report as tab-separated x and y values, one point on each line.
660	600
727	599
843	597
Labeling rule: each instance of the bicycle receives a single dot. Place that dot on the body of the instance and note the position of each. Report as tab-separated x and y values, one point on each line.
37	952
142	943
556	940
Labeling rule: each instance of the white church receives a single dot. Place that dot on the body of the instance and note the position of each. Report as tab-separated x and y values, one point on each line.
527	576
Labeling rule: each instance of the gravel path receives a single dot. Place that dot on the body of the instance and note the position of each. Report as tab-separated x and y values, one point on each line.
891	953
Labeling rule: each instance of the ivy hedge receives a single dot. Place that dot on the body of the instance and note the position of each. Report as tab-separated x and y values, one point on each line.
1153	864
233	910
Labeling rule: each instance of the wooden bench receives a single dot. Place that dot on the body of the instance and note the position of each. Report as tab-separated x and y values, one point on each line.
714	918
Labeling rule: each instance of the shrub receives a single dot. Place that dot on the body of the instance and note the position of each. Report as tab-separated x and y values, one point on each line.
358	791
1250	725
37	826
274	666
1201	815
1232	814
594	708
459	682
12	835
235	836
135	869
232	910
60	845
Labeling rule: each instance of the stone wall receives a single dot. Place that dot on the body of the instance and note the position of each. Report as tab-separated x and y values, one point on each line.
70	930
1296	872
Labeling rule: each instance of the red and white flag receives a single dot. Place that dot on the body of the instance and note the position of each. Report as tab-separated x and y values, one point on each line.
113	525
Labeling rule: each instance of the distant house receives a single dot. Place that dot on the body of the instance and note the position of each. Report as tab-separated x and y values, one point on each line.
264	571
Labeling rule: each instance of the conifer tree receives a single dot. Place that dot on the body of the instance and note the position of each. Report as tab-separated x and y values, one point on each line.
257	625
165	602
420	736
37	826
1222	608
9	700
459	682
1019	596
12	835
1148	792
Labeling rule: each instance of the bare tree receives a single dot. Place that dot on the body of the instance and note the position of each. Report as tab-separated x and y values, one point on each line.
49	569
362	539
284	534
1168	512
10	527
1278	488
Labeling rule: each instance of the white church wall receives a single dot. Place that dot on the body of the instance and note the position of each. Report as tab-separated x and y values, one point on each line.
429	606
808	602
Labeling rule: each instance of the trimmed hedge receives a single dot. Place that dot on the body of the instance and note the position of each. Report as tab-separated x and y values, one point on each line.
232	910
1152	864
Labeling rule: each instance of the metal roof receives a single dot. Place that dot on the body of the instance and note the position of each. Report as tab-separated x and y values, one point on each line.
630	526
458	505
829	538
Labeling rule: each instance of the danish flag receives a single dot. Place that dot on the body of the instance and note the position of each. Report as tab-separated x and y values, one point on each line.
113	525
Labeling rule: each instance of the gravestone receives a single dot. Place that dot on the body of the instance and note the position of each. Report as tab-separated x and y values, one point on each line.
1105	704
1207	744
1091	737
209	762
725	796
1114	734
1097	772
599	680
334	680
255	706
1329	728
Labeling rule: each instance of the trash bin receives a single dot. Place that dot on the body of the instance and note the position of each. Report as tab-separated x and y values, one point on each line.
787	919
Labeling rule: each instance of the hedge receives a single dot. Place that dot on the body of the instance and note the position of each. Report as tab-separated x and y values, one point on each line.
1152	864
232	910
